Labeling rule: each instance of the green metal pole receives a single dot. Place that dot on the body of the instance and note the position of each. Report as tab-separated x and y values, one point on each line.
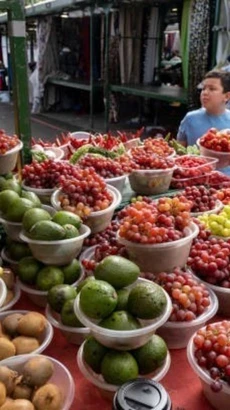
17	35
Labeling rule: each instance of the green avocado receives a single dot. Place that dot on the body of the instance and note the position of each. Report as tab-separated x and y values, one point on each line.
47	231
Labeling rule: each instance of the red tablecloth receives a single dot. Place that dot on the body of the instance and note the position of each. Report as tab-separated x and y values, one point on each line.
180	382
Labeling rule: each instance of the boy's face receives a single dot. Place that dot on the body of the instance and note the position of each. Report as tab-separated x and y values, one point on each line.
213	97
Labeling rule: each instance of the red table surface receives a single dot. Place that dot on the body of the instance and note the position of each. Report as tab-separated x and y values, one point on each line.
181	382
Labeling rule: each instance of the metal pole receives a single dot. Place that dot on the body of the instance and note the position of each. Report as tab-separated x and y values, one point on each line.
17	35
215	33
106	76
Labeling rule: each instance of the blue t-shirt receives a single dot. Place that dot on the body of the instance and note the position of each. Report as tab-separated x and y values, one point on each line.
197	123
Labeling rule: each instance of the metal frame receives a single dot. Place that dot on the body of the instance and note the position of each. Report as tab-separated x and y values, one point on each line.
17	33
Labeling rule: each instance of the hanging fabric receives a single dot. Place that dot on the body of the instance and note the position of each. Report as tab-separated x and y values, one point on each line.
151	59
223	39
198	48
47	60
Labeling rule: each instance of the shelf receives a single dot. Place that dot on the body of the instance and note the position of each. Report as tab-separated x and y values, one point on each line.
162	93
78	84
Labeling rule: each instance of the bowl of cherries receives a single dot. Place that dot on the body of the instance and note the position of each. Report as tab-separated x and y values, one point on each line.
208	355
216	144
193	305
86	194
9	150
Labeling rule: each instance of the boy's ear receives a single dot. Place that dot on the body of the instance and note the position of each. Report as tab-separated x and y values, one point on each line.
227	96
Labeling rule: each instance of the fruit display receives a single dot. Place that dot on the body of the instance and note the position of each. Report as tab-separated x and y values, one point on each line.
216	140
117	367
145	160
218	224
211	352
106	167
224	195
155	222
190	298
157	146
202	199
209	260
99	252
218	180
12	288
193	166
35	381
23	332
7	142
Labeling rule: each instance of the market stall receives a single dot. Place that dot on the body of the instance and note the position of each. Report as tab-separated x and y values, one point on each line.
163	220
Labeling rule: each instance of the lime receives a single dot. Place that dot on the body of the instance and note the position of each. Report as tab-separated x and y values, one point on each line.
122	300
70	231
71	272
13	185
66	217
98	299
68	317
32	197
151	355
120	320
146	300
116	270
7	198
93	353
34	215
18	250
16	212
59	294
118	367
83	283
48	277
28	269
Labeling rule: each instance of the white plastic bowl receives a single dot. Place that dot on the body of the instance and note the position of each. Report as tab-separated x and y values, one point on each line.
97	221
132	143
162	257
44	339
81	135
223	296
16	296
59	252
223	157
61	376
43	194
39	297
58	152
177	334
219	400
126	339
9	159
3	292
219	205
75	335
117	182
110	389
152	181
13	264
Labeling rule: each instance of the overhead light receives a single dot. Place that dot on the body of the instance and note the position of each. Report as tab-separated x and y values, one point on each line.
174	9
65	15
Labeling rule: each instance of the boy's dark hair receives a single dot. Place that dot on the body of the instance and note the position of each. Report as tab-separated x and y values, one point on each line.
223	76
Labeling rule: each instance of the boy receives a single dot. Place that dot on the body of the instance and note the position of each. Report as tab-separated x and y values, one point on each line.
214	95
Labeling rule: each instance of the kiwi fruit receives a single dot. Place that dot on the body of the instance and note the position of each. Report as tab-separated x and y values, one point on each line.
24	345
7	348
32	324
22	391
18	404
48	397
8	378
10	323
37	371
2	393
